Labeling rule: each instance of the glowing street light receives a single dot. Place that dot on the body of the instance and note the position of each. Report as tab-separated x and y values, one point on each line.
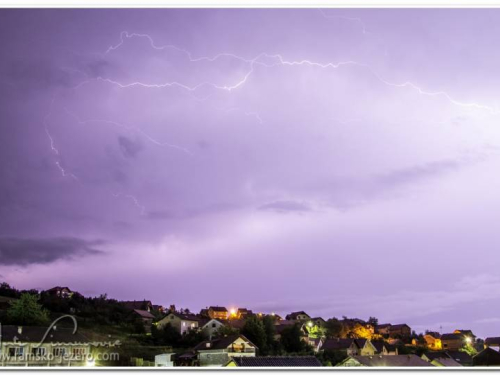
468	340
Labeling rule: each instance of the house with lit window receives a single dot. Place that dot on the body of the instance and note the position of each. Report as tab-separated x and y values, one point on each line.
433	340
61	291
298	315
218	312
36	346
218	352
181	322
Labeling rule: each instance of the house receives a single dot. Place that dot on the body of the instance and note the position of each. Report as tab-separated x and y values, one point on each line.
318	321
61	291
210	327
298	315
469	337
278	361
203	313
181	322
146	317
25	346
382	329
243	313
220	351
164	360
452	341
138	305
365	347
284	324
348	346
399	331
487	357
433	341
492	342
461	357
405	360
383	348
218	312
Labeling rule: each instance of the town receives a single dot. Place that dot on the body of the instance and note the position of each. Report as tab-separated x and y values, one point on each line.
139	333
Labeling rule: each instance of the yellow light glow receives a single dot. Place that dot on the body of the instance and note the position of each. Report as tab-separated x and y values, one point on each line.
310	324
468	340
233	311
90	363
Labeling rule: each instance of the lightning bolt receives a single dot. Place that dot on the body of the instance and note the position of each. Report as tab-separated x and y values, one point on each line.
52	143
142	209
280	61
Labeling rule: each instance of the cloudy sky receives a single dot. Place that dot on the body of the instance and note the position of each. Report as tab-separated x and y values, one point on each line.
338	161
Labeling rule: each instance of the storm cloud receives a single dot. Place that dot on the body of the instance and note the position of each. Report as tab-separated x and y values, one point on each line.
24	251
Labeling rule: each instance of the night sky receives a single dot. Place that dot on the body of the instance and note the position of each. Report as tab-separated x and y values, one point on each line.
337	161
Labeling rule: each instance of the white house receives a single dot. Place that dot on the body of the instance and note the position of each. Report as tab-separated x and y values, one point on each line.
182	322
211	327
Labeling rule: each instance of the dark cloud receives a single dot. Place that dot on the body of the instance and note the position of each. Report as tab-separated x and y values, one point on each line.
129	147
286	206
37	74
23	252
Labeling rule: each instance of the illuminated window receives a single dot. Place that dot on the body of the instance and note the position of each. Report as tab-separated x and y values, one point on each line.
59	352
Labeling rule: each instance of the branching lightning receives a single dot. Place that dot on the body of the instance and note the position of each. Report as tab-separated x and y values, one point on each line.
280	61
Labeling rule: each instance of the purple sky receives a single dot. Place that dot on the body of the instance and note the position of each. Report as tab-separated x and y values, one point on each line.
338	161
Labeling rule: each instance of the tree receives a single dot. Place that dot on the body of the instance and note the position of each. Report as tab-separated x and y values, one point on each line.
273	346
334	328
255	332
27	311
291	339
373	321
167	335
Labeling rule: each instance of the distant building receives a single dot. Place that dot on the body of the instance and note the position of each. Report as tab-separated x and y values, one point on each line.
298	361
298	315
452	341
61	291
382	329
406	360
399	330
433	341
181	322
220	351
492	342
218	312
243	313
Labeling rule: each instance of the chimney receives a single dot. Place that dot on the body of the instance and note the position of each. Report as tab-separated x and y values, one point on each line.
20	330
